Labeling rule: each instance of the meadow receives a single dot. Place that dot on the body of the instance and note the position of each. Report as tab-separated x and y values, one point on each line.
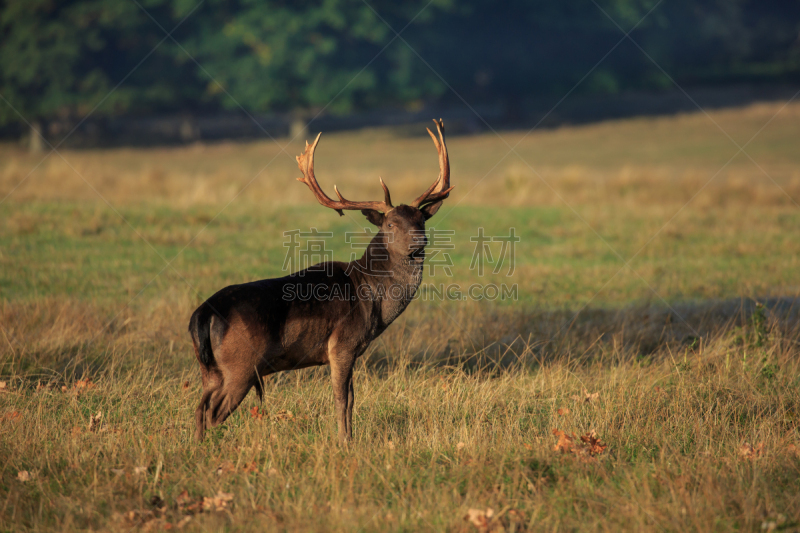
655	309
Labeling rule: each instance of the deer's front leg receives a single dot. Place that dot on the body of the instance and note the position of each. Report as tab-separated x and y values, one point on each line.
342	379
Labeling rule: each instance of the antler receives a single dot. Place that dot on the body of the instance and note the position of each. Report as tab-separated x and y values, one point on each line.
305	162
441	187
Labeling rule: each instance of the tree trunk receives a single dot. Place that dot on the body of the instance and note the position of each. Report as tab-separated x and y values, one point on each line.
35	139
298	128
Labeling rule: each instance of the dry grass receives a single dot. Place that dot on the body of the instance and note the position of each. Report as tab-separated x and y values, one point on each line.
440	429
697	401
636	163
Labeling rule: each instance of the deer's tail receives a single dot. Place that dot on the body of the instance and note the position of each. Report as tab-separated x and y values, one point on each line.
200	330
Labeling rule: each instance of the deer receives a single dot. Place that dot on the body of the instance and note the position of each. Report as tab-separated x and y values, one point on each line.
246	332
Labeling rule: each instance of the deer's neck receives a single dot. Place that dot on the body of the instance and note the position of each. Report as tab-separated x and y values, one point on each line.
394	278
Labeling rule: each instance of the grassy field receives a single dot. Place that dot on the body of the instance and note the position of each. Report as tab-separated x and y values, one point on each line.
656	305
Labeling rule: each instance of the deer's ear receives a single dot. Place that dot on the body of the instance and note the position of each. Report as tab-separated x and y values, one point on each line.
429	210
376	217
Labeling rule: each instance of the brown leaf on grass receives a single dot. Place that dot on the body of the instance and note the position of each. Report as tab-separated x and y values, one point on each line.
142	519
588	447
255	413
13	416
188	505
563	411
593	445
185	385
158	502
283	414
480	518
24	476
586	397
747	451
79	387
460	446
139	470
565	442
250	467
3	387
83	384
219	502
225	467
94	421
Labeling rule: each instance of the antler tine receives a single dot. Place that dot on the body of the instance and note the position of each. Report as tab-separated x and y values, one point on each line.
305	162
387	198
440	188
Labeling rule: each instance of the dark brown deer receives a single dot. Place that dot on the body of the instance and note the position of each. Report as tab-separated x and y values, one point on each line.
326	314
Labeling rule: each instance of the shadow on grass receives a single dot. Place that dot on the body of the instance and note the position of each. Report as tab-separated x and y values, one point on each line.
511	337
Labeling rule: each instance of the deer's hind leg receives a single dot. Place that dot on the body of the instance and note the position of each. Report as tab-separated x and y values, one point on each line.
228	380
221	396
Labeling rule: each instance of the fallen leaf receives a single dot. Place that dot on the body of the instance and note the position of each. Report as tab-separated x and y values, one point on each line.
272	472
188	505
480	518
158	502
586	397
251	467
390	445
594	446
283	414
117	471
527	446
24	476
3	386
747	451
564	444
793	449
183	498
588	447
13	416
225	467
139	470
460	446
185	385
94	421
84	384
563	411
146	520
255	413
516	515
219	502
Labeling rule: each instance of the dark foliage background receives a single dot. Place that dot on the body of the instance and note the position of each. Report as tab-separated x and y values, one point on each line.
65	59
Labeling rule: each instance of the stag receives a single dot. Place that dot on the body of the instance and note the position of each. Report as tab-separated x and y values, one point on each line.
248	331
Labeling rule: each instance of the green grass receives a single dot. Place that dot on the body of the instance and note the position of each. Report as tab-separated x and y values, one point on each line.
74	250
629	286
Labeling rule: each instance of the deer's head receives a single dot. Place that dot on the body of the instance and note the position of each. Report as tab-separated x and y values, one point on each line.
402	227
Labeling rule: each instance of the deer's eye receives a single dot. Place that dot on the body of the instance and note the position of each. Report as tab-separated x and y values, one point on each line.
391	225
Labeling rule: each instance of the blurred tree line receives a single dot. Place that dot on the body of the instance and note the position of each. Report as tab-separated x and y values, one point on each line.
62	59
